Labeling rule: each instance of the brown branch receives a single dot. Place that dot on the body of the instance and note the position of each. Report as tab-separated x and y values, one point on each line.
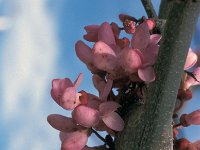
151	13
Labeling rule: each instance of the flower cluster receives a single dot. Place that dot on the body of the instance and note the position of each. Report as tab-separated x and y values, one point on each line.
89	112
118	58
114	62
189	79
121	63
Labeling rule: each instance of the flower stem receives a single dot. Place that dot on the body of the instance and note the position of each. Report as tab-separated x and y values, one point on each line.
98	135
177	125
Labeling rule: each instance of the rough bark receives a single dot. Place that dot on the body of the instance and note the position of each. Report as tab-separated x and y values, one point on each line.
148	127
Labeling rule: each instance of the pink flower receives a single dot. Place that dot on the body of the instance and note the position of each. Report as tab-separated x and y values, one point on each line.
128	23
64	92
130	60
105	58
191	59
86	116
90	117
197	144
110	117
103	33
62	123
147	44
103	87
190	119
151	23
92	33
74	140
190	81
73	137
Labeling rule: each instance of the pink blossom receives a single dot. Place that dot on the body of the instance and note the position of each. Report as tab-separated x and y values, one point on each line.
90	117
197	144
141	37
191	81
62	123
147	44
190	119
64	92
92	33
104	56
86	116
73	136
191	59
74	140
130	60
110	117
115	29
105	34
151	23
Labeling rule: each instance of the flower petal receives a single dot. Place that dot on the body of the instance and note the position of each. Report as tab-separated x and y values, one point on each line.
190	60
93	101
83	52
75	140
55	91
147	74
61	123
113	121
155	38
104	56
150	54
85	116
141	37
69	99
78	80
98	82
151	23
92	28
115	29
106	90
106	34
92	33
130	60
190	81
197	144
194	117
65	83
108	107
58	87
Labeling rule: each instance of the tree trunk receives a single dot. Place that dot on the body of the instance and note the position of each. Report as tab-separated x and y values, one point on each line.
149	127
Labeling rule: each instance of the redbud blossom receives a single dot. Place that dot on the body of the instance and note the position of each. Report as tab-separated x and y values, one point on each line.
64	92
74	140
190	119
151	23
191	59
62	123
191	81
92	33
197	144
184	144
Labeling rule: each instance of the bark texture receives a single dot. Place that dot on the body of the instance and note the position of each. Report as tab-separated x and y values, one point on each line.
149	127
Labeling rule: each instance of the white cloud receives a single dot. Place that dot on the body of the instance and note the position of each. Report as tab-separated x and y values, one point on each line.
28	58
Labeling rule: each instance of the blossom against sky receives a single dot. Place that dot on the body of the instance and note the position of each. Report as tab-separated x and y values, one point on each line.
37	44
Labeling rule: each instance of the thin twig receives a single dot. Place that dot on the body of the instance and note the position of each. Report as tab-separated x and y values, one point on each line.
151	13
98	135
177	125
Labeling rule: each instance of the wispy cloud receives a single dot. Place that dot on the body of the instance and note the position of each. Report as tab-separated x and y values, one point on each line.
28	57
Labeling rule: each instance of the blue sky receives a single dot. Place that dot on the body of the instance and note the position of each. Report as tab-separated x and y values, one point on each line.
37	44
